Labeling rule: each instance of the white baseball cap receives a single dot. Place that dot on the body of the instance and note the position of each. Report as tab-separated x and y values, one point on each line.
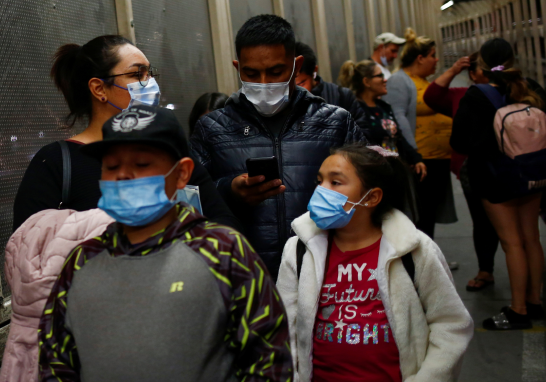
388	38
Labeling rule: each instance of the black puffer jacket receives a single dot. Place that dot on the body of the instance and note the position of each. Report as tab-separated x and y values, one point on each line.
224	139
345	98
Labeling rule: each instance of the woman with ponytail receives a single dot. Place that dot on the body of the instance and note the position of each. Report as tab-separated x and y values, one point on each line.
426	130
350	276
95	79
514	219
368	83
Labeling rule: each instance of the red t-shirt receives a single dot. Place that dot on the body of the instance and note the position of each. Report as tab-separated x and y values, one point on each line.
352	339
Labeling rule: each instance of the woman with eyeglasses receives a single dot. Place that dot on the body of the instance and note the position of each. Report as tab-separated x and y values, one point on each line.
369	84
426	130
98	80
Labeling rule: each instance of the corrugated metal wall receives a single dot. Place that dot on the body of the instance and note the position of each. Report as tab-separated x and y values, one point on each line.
360	25
300	14
32	109
175	36
337	36
242	10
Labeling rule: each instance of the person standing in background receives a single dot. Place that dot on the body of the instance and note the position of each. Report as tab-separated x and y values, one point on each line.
269	116
425	130
515	217
205	104
369	85
443	99
385	51
333	94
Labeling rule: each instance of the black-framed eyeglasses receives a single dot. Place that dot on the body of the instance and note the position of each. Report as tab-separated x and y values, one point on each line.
382	76
144	74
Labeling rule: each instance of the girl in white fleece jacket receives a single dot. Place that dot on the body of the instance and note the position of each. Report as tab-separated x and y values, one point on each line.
354	311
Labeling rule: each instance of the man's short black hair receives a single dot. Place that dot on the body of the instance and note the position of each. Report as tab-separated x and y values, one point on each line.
309	58
265	30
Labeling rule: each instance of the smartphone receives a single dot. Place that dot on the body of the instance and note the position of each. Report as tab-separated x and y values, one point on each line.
268	167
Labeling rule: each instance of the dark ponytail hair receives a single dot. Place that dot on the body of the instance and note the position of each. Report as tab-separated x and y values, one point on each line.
498	52
376	171
75	65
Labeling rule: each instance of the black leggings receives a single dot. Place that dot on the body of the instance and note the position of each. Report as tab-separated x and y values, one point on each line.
486	240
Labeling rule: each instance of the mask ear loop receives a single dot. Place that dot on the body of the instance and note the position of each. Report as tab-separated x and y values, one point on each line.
360	201
121	87
169	173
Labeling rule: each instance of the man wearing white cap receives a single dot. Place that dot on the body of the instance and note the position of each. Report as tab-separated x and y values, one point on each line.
386	47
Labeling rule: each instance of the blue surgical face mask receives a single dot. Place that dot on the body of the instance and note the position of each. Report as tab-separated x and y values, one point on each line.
136	202
326	208
141	95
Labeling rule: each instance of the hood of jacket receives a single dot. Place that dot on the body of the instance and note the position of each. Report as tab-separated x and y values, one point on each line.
35	255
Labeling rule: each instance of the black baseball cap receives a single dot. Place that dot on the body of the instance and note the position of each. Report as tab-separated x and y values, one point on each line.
150	125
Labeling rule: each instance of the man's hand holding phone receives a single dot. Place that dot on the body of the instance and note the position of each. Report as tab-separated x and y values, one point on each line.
260	183
253	190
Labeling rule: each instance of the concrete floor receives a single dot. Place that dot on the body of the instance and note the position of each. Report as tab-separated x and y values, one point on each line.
512	356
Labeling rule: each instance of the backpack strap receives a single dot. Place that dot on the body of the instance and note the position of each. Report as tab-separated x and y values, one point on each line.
492	95
300	251
67	173
407	260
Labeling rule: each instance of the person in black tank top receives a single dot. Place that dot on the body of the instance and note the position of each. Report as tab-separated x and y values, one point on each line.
95	92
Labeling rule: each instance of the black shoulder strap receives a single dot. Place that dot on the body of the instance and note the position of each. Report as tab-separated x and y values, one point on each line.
407	260
67	174
300	251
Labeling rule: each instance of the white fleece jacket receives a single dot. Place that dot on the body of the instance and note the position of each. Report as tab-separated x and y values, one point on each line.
429	322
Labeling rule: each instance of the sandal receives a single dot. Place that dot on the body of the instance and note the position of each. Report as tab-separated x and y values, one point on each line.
507	319
485	284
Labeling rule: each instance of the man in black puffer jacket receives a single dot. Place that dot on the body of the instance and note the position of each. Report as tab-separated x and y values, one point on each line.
269	116
333	94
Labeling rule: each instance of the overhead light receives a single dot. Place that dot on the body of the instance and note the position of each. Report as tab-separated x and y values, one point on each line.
446	5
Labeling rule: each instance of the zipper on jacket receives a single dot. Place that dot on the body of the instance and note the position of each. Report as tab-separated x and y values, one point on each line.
281	199
281	224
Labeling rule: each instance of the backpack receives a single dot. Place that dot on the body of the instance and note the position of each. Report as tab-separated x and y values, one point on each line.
407	260
520	130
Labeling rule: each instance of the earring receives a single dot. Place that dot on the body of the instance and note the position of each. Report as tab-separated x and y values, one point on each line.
102	98
365	204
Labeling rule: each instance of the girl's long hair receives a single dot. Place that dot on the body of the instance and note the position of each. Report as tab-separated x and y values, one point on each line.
497	62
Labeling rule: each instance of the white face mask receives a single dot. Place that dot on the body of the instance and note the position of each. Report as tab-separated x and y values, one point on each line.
268	99
141	95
